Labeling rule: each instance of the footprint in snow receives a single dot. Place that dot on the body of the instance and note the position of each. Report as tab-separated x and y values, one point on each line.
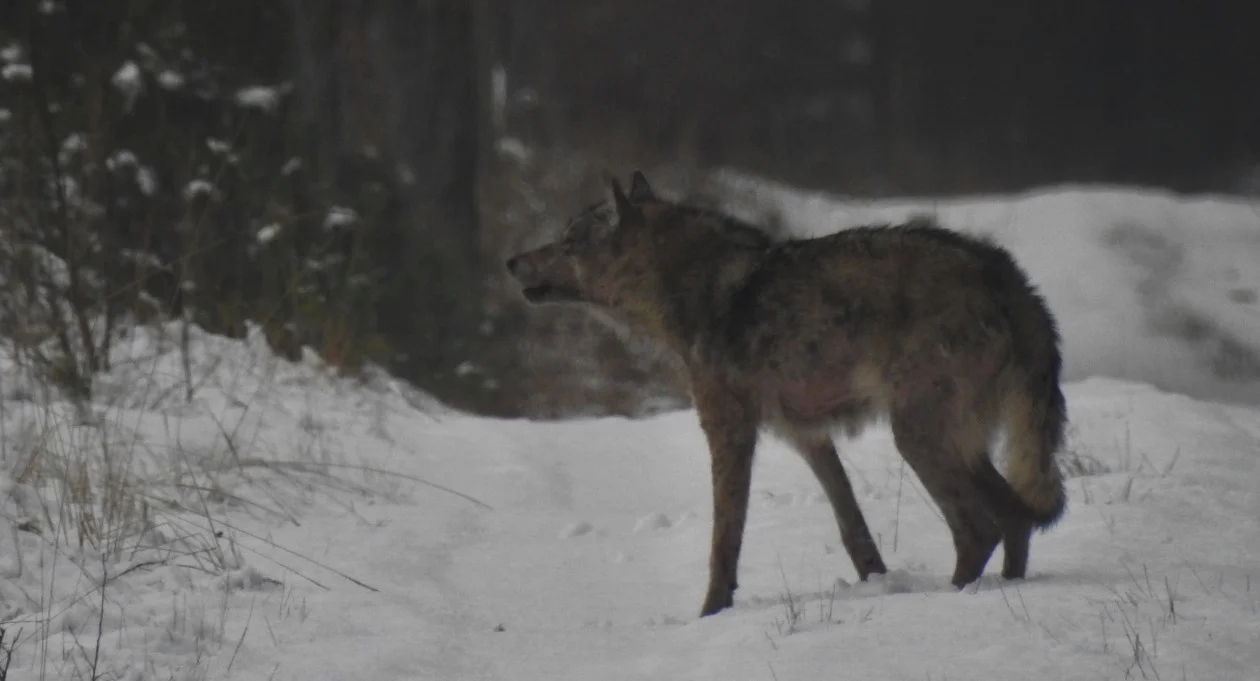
664	621
577	529
653	521
893	582
770	499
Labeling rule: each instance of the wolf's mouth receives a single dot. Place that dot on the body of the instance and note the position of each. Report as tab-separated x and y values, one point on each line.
548	293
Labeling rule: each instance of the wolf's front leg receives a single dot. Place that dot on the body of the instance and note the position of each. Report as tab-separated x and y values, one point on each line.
732	476
729	420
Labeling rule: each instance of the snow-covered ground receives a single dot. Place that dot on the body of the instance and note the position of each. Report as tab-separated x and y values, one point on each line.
579	549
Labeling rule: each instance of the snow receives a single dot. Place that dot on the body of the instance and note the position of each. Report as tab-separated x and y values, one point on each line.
147	180
170	80
388	538
340	216
74	143
221	148
123	158
514	149
17	72
268	233
265	99
218	146
198	188
145	177
128	81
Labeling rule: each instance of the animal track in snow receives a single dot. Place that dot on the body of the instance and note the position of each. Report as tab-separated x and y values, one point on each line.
892	582
664	621
768	499
577	529
653	521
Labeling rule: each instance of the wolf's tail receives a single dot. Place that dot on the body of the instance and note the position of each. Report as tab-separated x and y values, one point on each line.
1035	420
1034	410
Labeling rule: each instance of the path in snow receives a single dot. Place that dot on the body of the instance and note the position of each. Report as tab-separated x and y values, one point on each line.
511	594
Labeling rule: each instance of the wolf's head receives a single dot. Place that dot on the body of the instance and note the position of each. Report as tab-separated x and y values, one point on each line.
599	259
651	265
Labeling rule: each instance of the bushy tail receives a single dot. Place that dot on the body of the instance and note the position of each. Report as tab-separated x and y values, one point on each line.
1033	408
1035	420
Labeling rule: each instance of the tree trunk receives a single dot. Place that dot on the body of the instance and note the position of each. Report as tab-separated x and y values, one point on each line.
393	94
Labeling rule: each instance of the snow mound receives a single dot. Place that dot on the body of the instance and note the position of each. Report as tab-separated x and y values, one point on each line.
163	488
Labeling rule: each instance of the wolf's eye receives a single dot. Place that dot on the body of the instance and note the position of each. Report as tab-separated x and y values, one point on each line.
588	230
577	232
590	226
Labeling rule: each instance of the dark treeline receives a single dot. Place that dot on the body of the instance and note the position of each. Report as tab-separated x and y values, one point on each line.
912	95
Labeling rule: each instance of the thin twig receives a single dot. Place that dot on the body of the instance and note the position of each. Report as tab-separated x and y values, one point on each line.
303	465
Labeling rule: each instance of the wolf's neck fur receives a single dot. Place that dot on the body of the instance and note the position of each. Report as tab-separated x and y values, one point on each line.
700	274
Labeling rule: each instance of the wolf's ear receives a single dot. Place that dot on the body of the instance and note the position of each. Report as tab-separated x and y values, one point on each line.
640	190
626	211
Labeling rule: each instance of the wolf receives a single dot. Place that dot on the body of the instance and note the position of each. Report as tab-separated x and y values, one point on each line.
941	334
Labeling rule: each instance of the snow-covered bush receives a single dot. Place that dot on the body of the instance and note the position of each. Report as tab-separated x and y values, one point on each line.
164	177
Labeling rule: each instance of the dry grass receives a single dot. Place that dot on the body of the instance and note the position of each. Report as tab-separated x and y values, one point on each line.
103	491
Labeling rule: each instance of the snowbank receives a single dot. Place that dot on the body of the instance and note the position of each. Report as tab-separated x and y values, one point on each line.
163	487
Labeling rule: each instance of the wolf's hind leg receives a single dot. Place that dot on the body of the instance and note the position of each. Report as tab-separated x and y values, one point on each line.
930	449
1015	540
1016	522
820	453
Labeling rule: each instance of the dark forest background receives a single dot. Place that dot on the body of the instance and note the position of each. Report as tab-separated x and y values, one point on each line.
348	175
